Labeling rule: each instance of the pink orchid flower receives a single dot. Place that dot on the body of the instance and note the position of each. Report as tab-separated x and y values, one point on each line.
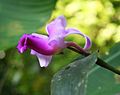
44	47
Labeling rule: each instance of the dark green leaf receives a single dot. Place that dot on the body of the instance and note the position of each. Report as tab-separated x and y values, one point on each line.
71	80
22	16
104	82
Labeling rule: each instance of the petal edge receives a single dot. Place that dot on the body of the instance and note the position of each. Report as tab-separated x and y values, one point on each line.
43	59
88	42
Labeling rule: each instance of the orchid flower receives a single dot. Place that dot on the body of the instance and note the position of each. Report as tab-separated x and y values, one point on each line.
44	47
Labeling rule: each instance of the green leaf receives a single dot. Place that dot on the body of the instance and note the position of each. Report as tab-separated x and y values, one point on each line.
71	80
22	16
102	81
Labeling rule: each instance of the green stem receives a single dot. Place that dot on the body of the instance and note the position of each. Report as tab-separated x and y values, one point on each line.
99	62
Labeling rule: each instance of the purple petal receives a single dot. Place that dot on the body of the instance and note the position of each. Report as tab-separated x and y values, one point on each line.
63	20
40	36
57	43
22	43
43	59
88	42
40	45
33	52
56	27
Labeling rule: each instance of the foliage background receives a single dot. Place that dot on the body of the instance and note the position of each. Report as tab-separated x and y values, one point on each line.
21	73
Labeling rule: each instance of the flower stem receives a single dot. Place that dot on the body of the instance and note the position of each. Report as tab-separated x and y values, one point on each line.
99	62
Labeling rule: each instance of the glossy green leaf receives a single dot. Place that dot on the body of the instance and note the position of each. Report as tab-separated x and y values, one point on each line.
104	82
71	80
22	16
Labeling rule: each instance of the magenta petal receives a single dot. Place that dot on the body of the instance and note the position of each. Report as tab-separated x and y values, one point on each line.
43	59
75	31
40	36
22	43
39	44
56	27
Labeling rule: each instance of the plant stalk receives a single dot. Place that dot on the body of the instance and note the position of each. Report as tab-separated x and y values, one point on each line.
99	62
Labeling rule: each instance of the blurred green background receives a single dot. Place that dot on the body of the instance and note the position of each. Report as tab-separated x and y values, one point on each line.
20	74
